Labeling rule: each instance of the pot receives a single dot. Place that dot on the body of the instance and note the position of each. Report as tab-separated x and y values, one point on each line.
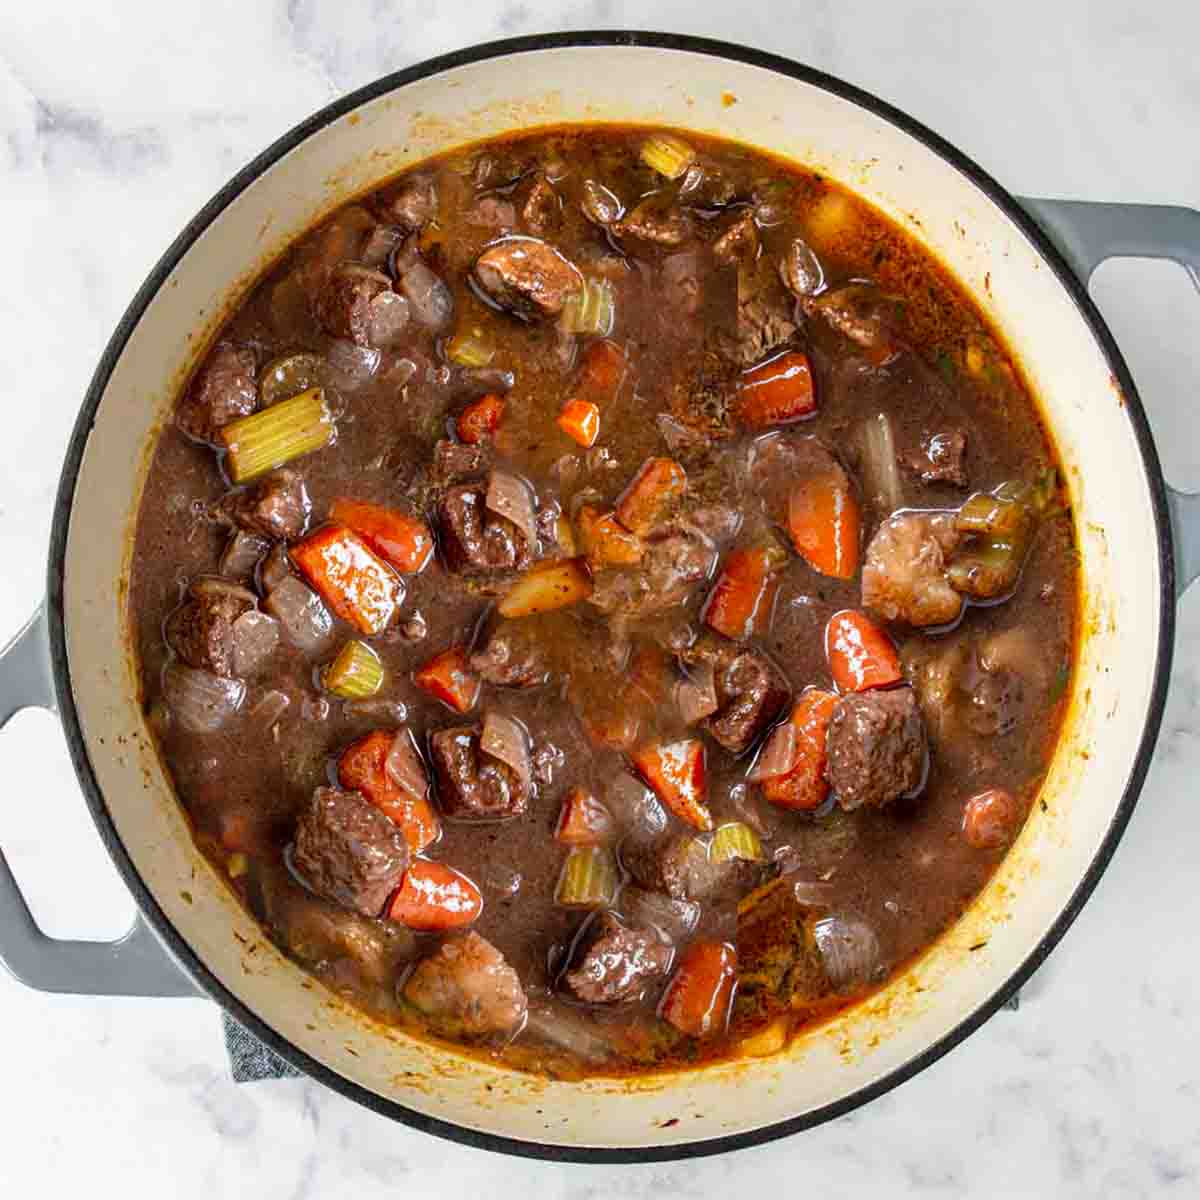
1025	261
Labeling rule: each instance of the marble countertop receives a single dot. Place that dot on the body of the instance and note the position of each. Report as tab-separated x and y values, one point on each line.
117	122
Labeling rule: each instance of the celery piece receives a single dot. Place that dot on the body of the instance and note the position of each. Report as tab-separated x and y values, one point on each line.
668	155
470	349
276	435
589	878
591	309
735	840
355	673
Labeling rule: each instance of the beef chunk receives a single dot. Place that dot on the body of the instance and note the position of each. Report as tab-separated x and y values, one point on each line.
347	851
940	459
222	390
414	204
526	277
352	948
200	630
739	242
763	325
473	786
613	962
345	304
671	567
455	461
904	569
467	987
476	540
750	691
655	224
864	315
542	211
276	506
513	656
678	866
876	745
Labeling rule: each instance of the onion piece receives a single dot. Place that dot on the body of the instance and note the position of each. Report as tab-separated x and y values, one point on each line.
274	569
376	709
480	381
672	920
849	950
241	555
778	755
879	463
304	618
696	696
432	301
200	701
389	316
351	366
635	806
404	767
255	636
566	1029
505	739
512	499
270	708
211	585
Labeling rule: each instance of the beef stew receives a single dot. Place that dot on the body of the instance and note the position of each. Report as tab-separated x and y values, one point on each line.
606	599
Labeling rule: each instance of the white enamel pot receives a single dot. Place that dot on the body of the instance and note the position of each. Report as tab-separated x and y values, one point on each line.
1026	262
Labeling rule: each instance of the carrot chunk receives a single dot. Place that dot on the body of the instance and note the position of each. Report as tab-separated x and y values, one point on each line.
447	677
606	542
698	998
432	897
659	483
402	541
601	371
549	585
584	820
777	392
480	419
805	787
676	772
363	768
580	419
824	521
740	602
861	655
357	585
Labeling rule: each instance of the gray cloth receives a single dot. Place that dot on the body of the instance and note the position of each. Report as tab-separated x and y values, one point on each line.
249	1059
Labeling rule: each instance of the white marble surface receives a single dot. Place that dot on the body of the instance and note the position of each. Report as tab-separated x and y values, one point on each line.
117	121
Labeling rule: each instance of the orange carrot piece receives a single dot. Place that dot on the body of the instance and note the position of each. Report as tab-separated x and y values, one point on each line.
698	998
584	820
861	655
402	541
432	897
357	585
363	768
777	392
675	771
740	602
652	491
580	419
448	677
991	819
601	372
480	419
606	542
805	787
824	521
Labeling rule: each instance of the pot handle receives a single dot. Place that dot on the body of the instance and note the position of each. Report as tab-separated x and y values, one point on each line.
134	965
1087	233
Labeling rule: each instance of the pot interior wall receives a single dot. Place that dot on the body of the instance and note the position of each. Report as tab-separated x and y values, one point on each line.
989	254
